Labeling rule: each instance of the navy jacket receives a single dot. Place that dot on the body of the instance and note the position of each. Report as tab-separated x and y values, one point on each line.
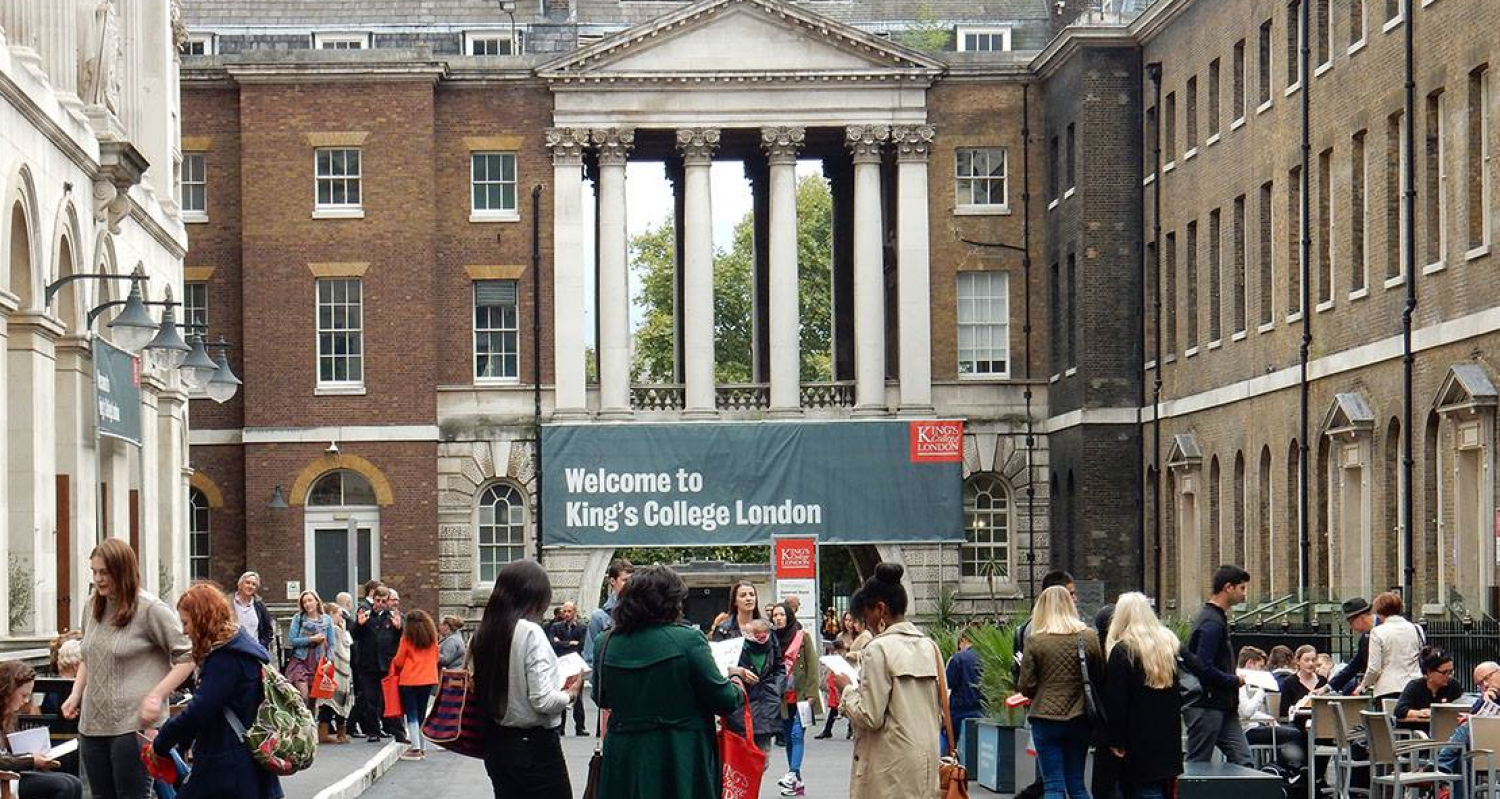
1209	643
377	639
222	767
1347	678
964	671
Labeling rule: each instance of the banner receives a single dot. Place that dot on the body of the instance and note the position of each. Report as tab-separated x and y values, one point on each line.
117	392
794	568
705	484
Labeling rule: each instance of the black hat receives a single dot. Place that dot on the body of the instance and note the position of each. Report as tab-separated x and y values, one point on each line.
1357	606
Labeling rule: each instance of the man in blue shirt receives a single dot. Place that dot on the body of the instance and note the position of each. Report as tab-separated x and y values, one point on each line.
600	620
964	700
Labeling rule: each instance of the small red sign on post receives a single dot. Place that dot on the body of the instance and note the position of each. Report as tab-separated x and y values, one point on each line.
937	441
796	558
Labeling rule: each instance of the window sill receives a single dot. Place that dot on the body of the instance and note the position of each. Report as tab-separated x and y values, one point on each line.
1478	252
1054	378
1292	89
1434	268
1190	154
1171	165
1150	365
1293	318
1072	190
1216	343
1358	294
1323	69
1237	124
1393	24
981	210
1211	140
1072	370
1357	46
1392	282
1169	359
1240	336
994	378
350	212
339	390
1266	328
1323	307
491	382
494	216
1189	352
194	217
1264	107
1052	206
1151	178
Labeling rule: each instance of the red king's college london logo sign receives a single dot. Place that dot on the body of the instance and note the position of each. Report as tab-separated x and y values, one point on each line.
937	441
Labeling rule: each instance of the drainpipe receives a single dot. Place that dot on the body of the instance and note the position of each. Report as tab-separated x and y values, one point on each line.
1140	458
1305	248
1153	71
1408	359
536	349
1026	329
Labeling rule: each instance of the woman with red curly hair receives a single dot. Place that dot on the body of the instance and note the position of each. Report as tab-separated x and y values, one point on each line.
229	668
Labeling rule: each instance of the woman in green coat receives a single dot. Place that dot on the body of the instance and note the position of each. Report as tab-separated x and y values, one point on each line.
658	680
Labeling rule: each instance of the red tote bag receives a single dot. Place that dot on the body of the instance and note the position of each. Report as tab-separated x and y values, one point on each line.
324	681
390	689
744	762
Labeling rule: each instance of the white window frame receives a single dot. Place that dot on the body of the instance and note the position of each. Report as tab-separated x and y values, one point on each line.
1444	200
208	40
188	179
997	330
514	331
978	579
190	309
343	210
964	31
472	38
198	503
477	214
336	386
982	209
341	40
328	516
520	502
1486	156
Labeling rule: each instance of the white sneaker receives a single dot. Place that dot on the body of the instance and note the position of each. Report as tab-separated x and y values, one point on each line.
788	781
795	789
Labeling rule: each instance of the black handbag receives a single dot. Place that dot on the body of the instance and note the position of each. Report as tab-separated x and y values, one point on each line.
1091	704
596	762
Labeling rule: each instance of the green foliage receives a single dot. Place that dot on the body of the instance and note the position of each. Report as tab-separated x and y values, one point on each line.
22	594
652	258
756	555
995	644
925	32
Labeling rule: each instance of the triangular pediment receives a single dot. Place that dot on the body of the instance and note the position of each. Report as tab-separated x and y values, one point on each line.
1349	413
1466	386
1185	452
735	39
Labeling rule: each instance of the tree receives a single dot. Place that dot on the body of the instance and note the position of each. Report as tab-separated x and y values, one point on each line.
926	32
652	257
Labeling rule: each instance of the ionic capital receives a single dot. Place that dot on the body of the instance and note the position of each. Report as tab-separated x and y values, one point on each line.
913	142
697	144
612	144
782	144
865	141
566	145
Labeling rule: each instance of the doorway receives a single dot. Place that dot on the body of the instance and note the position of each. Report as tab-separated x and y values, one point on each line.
342	536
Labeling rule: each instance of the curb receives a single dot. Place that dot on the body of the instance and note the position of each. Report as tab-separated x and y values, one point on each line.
364	777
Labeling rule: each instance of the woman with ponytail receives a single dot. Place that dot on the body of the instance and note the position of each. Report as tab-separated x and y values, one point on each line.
894	709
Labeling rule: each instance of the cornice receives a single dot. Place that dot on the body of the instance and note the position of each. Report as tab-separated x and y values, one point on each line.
350	72
48	126
173	244
627	79
1156	17
1074	38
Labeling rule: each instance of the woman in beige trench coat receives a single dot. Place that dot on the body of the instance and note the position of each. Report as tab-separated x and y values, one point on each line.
894	709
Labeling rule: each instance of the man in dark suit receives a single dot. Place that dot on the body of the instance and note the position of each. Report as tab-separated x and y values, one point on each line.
567	637
377	630
1361	620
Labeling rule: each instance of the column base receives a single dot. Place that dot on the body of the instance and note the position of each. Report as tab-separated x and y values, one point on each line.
871	410
916	411
571	415
616	415
789	412
700	413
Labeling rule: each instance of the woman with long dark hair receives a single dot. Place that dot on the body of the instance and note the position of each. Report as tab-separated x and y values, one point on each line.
657	678
38	778
800	655
515	673
229	683
134	656
744	605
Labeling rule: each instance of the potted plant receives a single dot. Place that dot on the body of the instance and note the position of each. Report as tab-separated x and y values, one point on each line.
996	745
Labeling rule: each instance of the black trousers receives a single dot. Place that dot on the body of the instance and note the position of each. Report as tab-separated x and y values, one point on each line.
578	723
525	764
369	705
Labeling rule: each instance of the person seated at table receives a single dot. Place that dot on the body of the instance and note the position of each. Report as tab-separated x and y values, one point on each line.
1302	683
1261	727
1414	708
67	655
1487	685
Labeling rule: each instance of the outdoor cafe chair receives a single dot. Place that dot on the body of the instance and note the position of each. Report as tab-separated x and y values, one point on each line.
1480	760
1400	765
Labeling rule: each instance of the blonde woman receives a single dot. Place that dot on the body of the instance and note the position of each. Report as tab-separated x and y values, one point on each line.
1145	709
1052	676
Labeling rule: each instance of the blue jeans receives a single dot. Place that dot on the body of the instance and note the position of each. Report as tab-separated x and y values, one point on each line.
1061	750
414	709
958	731
793	732
1450	758
1152	790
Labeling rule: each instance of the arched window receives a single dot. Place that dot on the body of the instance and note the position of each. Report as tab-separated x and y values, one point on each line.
986	549
341	488
198	543
502	529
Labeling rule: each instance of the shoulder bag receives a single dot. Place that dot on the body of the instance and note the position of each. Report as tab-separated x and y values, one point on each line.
743	762
953	778
596	760
1091	704
456	721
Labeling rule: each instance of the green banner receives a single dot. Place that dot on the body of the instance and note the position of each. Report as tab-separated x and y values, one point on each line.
117	392
704	484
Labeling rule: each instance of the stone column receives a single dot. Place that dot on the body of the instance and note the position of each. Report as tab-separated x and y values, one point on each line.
913	284
781	146
32	469
758	173
59	49
8	304
78	461
697	146
570	400
612	145
865	143
22	21
674	176
147	481
172	488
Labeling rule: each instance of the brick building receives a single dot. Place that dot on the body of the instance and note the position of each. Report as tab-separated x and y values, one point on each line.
367	231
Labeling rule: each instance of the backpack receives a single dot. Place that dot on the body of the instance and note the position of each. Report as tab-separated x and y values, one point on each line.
284	737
